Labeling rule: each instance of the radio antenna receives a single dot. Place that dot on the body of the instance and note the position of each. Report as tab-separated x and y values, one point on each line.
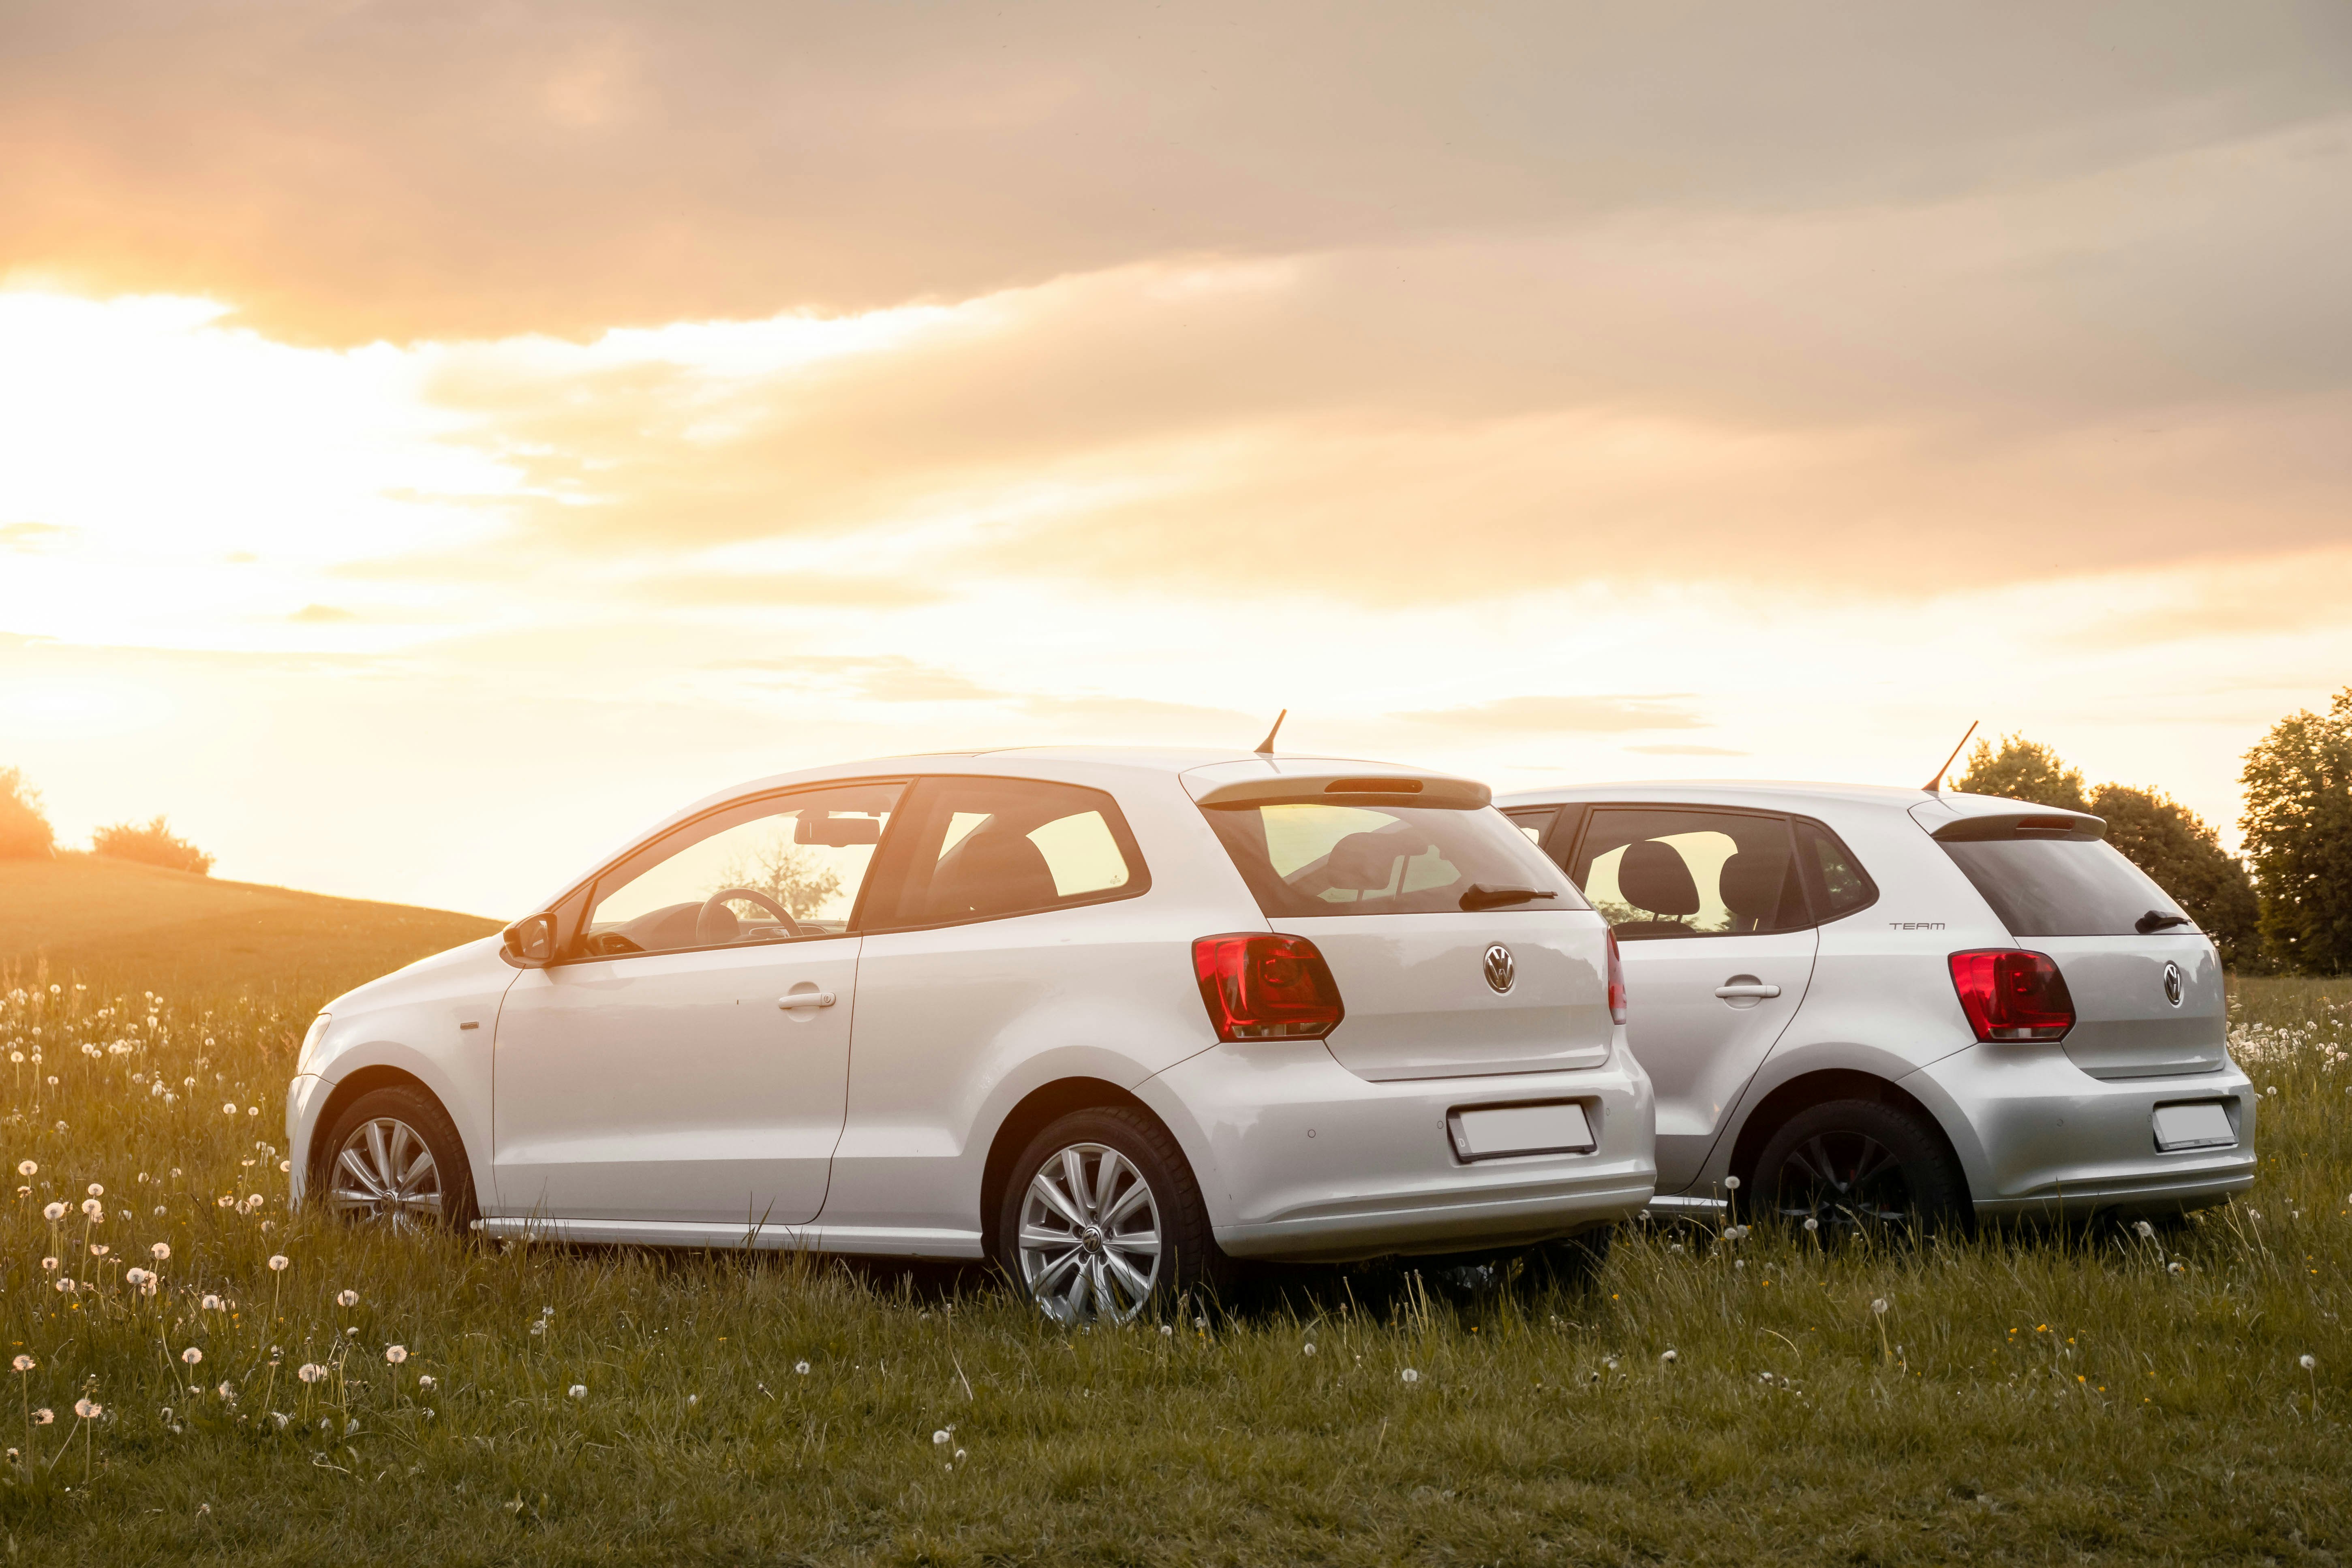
1935	786
1265	747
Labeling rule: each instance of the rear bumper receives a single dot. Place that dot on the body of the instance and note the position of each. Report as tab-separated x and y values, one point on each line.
2039	1136
1306	1160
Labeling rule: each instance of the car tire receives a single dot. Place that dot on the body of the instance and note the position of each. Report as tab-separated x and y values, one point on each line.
1854	1165
1081	1175
393	1158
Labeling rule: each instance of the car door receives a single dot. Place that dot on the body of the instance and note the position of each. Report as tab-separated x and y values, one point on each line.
687	1059
1717	945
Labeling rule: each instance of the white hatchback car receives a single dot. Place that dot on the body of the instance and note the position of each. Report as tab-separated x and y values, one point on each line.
1869	1003
1107	1017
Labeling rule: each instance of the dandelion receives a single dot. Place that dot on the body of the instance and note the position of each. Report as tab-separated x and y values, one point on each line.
310	1371
162	1249
1308	1348
277	1263
89	1409
135	1277
1730	1184
26	1168
44	1416
93	1208
99	1249
2308	1363
1669	1357
227	1390
2176	1268
54	1213
395	1354
226	1109
2146	1231
1167	1330
1878	1305
95	1191
192	1355
1735	1233
578	1391
426	1381
959	1454
26	1363
801	1367
1409	1375
939	1439
67	1287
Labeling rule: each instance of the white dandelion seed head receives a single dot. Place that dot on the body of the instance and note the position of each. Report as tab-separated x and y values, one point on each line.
1878	1305
1409	1375
959	1456
285	1165
801	1367
2146	1231
938	1439
162	1249
2308	1363
95	1191
578	1391
89	1409
54	1213
135	1277
1308	1348
395	1354
93	1208
426	1381
26	1363
1669	1356
277	1263
2175	1267
310	1371
26	1167
99	1249
1730	1184
226	1391
44	1416
1168	1330
192	1355
211	1304
67	1287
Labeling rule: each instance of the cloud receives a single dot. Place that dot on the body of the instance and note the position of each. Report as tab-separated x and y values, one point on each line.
431	171
885	678
29	536
785	590
321	615
1688	751
1589	715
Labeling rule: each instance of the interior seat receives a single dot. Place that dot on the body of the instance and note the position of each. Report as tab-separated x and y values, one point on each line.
996	871
1652	876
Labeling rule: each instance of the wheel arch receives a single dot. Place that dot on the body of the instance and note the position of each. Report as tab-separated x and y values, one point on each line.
349	1088
1036	1111
1821	1088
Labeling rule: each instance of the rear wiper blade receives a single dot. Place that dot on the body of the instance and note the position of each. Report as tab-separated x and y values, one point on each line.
2156	921
1481	897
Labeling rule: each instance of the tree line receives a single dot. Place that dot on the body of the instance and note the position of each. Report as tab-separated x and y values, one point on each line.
2286	906
25	834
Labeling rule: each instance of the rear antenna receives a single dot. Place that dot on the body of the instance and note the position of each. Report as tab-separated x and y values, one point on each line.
1935	786
1265	747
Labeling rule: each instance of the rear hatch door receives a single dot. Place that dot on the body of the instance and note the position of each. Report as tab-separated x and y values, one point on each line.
1459	948
2145	982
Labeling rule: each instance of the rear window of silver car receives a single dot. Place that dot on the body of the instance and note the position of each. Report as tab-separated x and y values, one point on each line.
2064	887
1310	858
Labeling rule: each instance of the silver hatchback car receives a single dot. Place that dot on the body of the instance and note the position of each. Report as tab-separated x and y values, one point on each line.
1860	1002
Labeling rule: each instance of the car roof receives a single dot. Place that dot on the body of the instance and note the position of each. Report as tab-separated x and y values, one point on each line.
1787	794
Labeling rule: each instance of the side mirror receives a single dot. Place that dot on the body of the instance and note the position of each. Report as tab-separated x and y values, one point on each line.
530	943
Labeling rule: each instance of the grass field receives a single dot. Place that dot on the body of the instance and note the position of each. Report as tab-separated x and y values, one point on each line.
2017	1399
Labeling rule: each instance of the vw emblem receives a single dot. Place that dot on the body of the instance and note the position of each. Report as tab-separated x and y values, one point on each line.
2171	984
1500	970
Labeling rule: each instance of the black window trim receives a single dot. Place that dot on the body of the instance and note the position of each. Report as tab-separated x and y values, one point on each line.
574	907
1122	835
1809	875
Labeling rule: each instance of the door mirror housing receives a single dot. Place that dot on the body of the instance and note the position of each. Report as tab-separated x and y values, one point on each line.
530	943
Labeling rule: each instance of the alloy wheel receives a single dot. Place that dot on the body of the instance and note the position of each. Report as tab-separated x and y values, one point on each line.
386	1173
1089	1241
1845	1180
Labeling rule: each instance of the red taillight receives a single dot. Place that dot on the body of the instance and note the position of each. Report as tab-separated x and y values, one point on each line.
1266	987
1616	981
2013	996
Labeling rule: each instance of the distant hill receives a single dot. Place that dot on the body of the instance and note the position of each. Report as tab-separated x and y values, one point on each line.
123	926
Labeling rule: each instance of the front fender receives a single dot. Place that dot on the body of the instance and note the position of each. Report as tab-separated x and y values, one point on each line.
458	1076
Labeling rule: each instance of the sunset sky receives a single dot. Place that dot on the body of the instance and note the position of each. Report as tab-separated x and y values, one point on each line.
435	439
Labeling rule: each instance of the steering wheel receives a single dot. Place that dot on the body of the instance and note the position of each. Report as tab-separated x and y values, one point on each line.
702	922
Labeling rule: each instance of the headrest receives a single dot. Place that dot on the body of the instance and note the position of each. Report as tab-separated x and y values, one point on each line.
1653	876
1367	861
1751	885
996	871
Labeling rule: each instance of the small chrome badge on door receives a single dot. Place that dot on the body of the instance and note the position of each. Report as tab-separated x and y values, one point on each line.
1500	967
2172	984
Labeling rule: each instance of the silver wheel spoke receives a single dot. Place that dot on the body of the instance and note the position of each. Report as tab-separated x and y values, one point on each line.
387	1174
1073	1261
1145	1242
1044	1190
1074	1172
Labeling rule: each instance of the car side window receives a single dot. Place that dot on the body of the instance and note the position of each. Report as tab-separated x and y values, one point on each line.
1534	821
773	869
1839	885
1662	871
984	849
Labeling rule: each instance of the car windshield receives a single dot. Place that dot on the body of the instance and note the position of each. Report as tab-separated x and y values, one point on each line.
1316	858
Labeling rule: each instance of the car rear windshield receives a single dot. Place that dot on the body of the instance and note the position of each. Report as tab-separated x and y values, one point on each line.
1314	857
2064	887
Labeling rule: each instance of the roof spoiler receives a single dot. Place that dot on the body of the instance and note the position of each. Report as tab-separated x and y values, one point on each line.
1295	785
2011	824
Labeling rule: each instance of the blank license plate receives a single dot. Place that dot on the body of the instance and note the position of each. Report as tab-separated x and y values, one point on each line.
2203	1126
1492	1132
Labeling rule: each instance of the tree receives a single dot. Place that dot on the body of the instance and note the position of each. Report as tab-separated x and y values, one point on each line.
796	878
153	845
2298	833
25	833
2184	857
2023	769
